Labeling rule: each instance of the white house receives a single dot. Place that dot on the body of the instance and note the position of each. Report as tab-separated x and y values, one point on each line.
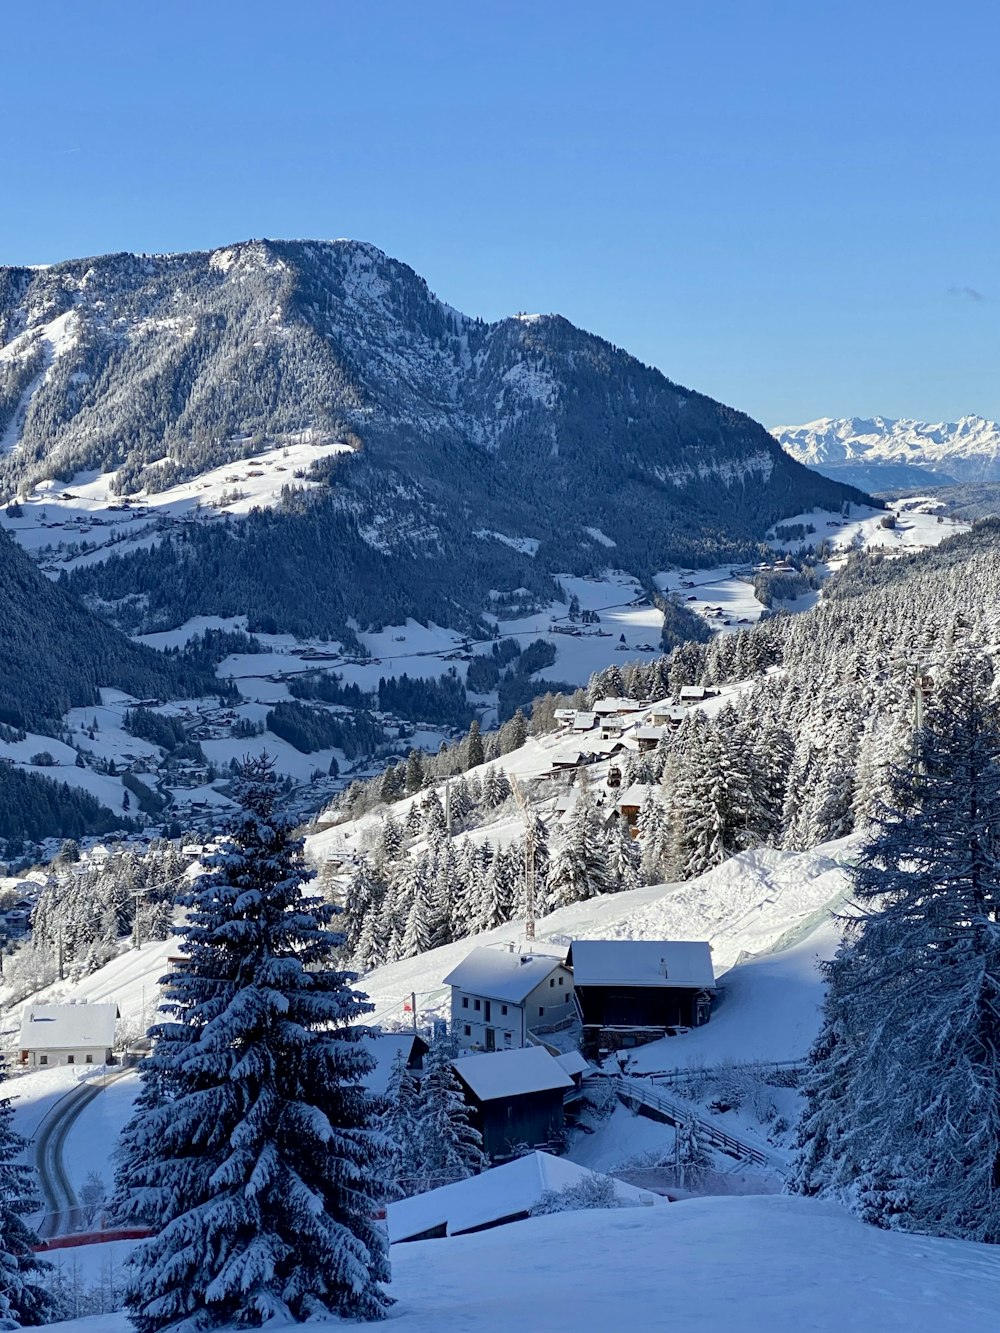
75	1033
500	995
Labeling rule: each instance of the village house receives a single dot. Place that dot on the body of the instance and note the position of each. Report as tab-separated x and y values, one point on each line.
667	715
516	1099
631	801
606	708
75	1033
648	738
628	992
499	996
584	721
503	1194
695	694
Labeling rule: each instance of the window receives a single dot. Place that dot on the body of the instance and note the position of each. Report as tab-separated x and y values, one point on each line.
465	1001
503	1009
506	1038
43	1059
541	1012
71	1059
90	1059
552	981
560	981
478	1004
468	1030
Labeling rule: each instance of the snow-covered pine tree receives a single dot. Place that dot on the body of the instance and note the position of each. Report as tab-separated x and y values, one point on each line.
400	1123
654	839
624	859
450	1147
256	1157
24	1302
579	868
903	1094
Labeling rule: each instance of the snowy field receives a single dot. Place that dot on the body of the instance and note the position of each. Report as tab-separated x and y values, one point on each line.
758	1265
56	514
917	528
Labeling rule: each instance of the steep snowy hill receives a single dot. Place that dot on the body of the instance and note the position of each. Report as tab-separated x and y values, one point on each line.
883	453
490	456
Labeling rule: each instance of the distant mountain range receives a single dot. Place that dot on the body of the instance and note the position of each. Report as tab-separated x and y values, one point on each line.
882	453
483	459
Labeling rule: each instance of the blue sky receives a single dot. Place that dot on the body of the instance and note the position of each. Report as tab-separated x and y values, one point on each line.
794	207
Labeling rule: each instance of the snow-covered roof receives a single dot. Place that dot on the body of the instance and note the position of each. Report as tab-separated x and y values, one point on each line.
584	721
606	707
635	794
649	733
693	691
385	1046
572	1063
499	974
47	1027
674	963
511	1073
502	1192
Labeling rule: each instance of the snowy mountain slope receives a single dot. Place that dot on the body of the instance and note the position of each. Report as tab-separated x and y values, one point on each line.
895	452
756	1264
162	370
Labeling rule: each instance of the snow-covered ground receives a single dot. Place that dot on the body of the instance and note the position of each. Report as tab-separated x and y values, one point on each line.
917	528
56	515
755	1264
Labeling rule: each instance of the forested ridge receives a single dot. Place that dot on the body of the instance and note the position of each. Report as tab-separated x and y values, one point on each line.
56	655
528	427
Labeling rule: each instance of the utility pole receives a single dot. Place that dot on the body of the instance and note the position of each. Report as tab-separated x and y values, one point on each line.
59	939
529	862
413	1006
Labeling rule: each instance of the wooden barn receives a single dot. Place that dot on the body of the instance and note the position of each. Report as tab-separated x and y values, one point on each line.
516	1097
632	991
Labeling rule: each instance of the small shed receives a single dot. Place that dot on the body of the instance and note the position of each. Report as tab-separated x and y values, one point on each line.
503	1194
632	991
516	1098
75	1033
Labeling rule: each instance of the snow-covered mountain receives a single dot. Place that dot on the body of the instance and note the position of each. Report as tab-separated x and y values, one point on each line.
882	452
428	429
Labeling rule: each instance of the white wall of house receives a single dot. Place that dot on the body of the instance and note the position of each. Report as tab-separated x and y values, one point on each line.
472	1016
95	1055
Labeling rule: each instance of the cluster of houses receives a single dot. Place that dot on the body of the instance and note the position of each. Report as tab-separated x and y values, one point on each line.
613	726
527	1026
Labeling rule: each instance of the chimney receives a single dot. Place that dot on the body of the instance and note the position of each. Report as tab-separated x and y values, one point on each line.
663	967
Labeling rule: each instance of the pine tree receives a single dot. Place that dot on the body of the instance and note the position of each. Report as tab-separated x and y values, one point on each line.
400	1123
23	1300
579	868
903	1095
623	859
450	1147
253	1154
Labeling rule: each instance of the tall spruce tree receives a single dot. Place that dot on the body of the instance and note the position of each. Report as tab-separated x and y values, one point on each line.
903	1096
450	1147
23	1300
254	1156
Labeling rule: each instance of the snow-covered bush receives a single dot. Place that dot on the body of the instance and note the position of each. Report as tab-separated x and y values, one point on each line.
593	1191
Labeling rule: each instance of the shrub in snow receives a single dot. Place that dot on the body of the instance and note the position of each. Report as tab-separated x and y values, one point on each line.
903	1110
253	1151
593	1191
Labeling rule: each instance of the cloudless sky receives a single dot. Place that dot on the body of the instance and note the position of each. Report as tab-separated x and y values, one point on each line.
791	205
